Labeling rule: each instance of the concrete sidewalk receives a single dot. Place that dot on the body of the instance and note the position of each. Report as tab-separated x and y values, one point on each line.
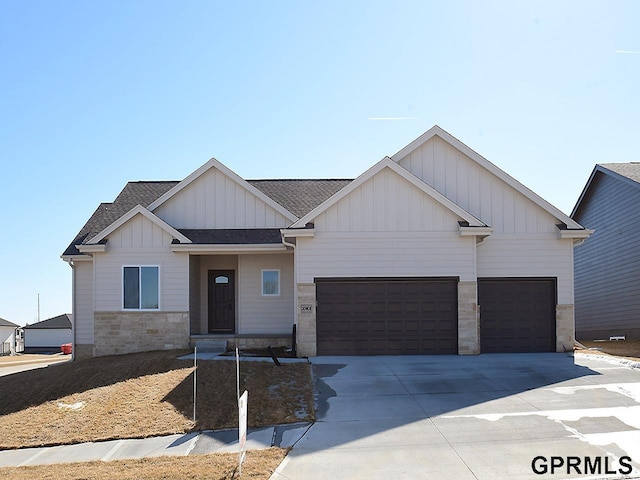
196	443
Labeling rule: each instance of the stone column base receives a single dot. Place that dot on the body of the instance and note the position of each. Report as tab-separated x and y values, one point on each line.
306	327
565	328
468	324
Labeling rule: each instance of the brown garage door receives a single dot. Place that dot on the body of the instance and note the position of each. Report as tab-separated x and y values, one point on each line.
517	315
386	316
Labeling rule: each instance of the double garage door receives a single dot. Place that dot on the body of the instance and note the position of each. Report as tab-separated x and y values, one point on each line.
404	316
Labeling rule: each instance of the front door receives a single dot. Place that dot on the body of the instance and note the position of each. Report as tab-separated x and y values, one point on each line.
222	301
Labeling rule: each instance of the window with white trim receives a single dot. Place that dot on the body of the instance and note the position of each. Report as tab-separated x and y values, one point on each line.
141	287
270	283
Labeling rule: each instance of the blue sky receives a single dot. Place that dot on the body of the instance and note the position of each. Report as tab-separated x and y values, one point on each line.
94	94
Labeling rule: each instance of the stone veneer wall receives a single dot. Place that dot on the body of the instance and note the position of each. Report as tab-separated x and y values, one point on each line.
117	333
565	328
82	351
306	329
468	324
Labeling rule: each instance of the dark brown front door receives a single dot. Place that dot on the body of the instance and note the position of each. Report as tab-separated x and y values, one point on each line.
222	301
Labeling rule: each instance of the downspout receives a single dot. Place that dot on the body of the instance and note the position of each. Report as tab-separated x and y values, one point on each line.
295	285
73	308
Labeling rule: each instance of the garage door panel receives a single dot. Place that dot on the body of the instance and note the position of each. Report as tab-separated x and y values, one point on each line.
517	315
396	316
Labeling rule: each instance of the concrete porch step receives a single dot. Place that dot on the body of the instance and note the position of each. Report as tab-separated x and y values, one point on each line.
211	345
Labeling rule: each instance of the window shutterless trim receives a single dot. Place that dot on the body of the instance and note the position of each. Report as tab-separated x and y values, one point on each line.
262	289
139	267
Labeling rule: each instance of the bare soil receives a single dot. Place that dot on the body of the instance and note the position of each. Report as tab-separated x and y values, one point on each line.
143	395
620	348
258	465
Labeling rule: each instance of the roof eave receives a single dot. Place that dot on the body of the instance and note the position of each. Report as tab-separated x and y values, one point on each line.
228	248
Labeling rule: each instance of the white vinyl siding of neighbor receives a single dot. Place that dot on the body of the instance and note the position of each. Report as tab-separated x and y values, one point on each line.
214	200
83	314
47	337
141	242
259	314
478	191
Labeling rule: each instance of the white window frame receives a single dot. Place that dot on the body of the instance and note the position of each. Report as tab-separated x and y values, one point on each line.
140	289
262	282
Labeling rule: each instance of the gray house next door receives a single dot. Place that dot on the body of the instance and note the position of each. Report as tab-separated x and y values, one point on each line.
222	301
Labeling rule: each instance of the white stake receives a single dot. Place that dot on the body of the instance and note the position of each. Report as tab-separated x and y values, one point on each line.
195	369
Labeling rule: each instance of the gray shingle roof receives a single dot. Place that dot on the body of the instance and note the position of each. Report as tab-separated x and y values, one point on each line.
235	236
6	323
299	196
134	193
61	321
629	170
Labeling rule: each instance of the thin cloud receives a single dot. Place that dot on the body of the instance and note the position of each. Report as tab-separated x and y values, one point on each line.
629	52
392	119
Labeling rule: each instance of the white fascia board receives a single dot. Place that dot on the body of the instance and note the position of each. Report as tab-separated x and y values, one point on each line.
501	174
231	248
139	210
475	231
92	248
575	234
214	163
387	162
297	232
76	258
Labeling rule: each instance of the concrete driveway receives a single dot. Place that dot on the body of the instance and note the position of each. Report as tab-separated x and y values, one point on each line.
481	417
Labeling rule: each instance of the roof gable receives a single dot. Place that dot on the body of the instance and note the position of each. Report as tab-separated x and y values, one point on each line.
213	163
7	323
387	163
627	173
436	131
138	210
61	321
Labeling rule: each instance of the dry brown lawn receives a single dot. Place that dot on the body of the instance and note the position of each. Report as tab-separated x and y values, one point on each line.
620	348
222	466
145	394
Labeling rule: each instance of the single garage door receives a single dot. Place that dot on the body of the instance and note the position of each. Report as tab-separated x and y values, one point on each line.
517	314
386	316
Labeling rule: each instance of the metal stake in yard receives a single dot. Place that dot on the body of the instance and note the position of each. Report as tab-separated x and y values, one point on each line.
195	369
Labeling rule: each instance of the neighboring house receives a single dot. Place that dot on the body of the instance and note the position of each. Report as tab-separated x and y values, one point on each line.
607	267
393	262
7	337
48	335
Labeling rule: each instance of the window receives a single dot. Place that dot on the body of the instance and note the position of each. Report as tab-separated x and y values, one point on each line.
141	288
271	283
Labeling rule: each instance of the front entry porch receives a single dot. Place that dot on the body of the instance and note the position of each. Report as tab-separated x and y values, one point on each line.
243	342
244	299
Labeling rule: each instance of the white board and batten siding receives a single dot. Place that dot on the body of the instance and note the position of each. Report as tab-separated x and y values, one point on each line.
141	242
258	314
214	200
477	190
83	313
525	240
386	227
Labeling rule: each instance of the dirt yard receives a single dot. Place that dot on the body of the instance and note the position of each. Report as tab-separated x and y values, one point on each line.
258	465
620	348
142	395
